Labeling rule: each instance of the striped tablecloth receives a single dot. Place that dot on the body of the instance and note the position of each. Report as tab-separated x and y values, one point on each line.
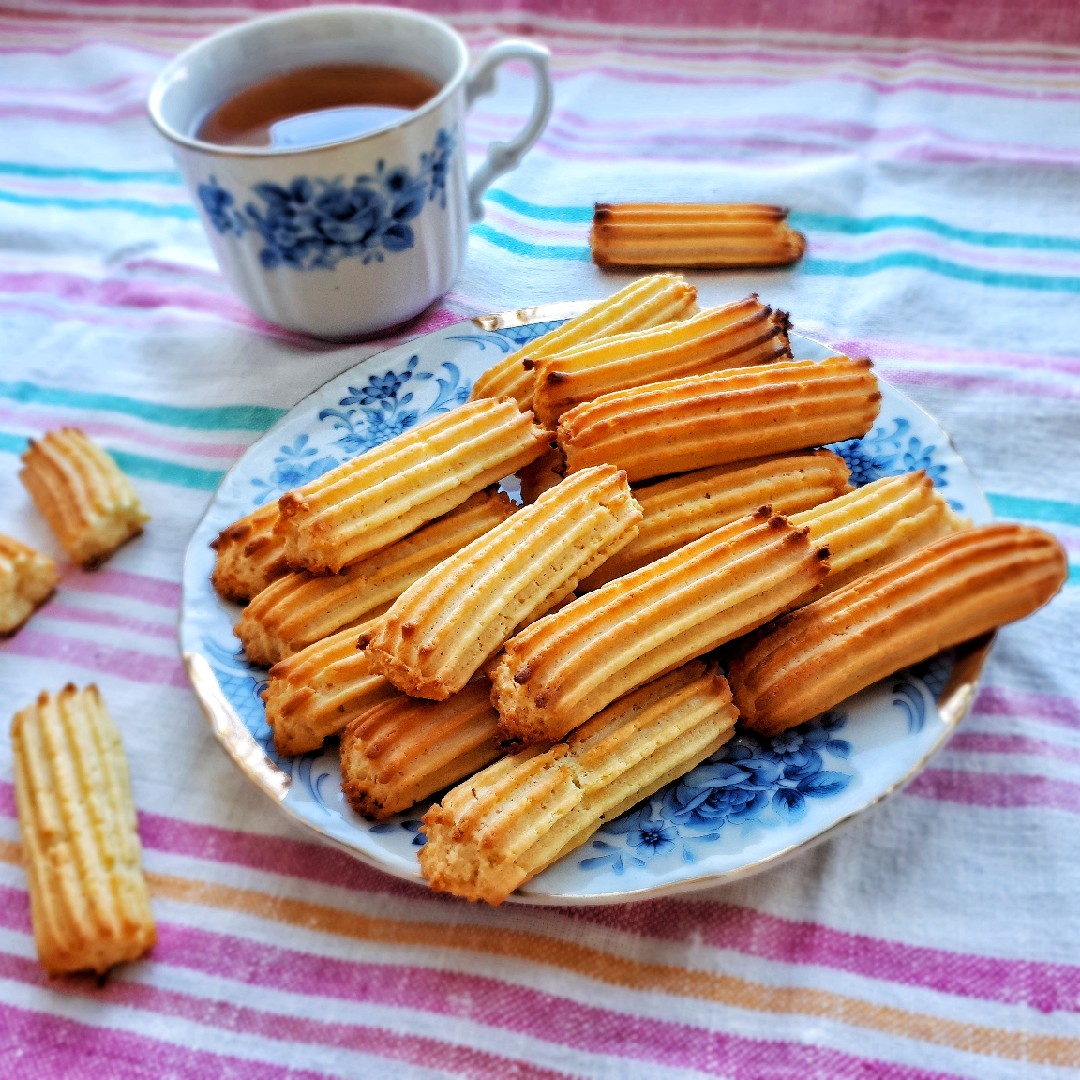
931	153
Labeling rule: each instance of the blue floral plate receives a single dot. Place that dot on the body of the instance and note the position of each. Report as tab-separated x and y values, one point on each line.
756	801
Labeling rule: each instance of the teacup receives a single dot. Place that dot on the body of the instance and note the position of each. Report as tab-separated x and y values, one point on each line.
347	238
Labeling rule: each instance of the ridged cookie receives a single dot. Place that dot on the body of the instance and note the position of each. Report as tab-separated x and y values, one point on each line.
689	505
649	301
300	608
702	235
950	591
388	492
441	630
27	580
250	555
877	524
402	750
504	825
736	335
88	899
566	667
88	502
684	424
315	693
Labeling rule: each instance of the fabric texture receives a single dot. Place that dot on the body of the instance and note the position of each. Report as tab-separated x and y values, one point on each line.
931	154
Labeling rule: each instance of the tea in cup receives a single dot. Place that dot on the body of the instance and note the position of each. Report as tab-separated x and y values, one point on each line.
325	150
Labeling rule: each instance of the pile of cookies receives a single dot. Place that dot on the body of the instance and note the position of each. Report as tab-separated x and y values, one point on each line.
553	660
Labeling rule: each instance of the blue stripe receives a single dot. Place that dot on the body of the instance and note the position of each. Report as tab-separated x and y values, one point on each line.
576	215
12	444
211	418
916	260
1028	509
528	250
85	172
167	472
129	206
138	466
859	226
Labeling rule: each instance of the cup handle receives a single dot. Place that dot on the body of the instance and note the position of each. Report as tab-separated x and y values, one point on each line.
504	156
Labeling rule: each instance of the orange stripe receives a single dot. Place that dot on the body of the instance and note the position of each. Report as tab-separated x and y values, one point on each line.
615	970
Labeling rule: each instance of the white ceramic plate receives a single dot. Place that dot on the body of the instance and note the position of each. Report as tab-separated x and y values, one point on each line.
755	802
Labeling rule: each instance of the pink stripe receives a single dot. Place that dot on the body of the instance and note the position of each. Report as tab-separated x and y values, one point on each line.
106	618
93	656
39	421
1046	987
129	294
981	742
625	74
57	312
907	351
149	590
967	20
511	1007
211	1012
452	994
57	1047
1049	708
67	115
91	41
982	383
997	791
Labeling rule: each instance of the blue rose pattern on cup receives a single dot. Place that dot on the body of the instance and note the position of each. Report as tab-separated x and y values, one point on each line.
313	223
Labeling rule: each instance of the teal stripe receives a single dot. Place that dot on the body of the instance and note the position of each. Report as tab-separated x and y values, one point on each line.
12	444
897	260
83	172
512	244
1074	576
139	466
576	215
1019	506
211	418
130	206
915	260
859	226
831	223
167	472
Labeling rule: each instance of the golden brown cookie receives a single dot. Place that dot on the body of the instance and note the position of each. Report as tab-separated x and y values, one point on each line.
441	630
736	335
504	825
684	507
88	899
566	667
27	580
649	301
250	555
300	608
316	692
878	523
691	423
950	591
390	491
402	750
703	235
88	502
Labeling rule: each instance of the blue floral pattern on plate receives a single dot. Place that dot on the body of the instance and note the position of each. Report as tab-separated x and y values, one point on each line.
313	223
755	798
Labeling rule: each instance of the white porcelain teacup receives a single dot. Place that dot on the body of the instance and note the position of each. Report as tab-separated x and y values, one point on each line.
348	238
